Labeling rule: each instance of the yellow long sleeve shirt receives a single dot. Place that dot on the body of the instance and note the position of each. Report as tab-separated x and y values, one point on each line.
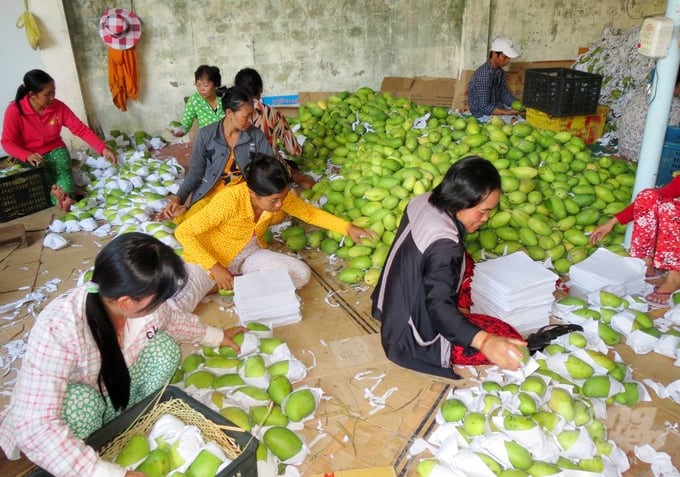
219	231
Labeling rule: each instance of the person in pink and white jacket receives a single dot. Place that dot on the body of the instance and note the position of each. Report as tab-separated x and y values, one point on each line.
101	348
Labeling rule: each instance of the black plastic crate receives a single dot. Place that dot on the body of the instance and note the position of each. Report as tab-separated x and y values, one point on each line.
561	91
24	193
245	465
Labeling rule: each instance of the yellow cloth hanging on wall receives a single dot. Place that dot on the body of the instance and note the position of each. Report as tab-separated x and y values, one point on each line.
28	21
123	76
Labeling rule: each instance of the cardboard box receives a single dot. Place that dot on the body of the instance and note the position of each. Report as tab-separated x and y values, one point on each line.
433	91
383	471
398	86
309	96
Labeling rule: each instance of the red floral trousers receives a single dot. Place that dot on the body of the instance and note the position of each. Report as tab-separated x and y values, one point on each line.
656	229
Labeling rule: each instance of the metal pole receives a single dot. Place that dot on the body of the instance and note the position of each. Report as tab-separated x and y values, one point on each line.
659	110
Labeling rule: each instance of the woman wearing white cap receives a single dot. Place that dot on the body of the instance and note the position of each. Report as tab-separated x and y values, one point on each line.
488	93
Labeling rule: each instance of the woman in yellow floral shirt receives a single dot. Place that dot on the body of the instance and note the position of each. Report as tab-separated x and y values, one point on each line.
226	236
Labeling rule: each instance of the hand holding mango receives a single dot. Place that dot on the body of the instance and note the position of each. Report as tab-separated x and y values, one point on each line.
358	234
602	231
222	277
517	105
229	334
508	353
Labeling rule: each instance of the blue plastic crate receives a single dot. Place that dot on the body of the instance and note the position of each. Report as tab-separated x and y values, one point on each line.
670	162
673	135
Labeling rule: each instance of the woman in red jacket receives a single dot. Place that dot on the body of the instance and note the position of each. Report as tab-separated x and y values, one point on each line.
32	133
656	235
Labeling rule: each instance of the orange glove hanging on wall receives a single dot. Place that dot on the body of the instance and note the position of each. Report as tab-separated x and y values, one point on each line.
121	29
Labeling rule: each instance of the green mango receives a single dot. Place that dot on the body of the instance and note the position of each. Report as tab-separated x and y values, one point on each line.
541	469
299	404
561	402
534	384
282	442
577	368
596	387
474	423
220	362
227	380
519	457
515	422
204	465
453	410
268	417
192	362
238	416
200	379
157	464
279	388
134	451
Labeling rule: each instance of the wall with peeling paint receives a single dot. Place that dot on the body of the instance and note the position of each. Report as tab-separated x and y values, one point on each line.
555	29
308	45
295	45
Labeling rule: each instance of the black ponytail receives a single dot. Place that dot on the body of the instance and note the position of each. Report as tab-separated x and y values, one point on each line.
34	82
135	265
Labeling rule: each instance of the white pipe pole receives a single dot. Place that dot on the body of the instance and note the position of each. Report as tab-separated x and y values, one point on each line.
659	110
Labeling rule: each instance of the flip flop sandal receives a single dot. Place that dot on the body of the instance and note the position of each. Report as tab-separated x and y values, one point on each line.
655	275
658	299
543	336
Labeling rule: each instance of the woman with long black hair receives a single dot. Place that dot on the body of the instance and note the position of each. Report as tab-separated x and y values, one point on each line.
101	348
420	299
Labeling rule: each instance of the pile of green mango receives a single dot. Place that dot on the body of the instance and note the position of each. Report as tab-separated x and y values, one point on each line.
554	190
164	459
561	407
603	306
275	406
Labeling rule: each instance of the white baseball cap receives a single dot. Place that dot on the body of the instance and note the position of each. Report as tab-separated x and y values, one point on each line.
505	46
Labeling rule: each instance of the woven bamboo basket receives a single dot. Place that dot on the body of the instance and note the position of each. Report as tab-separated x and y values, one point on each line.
181	410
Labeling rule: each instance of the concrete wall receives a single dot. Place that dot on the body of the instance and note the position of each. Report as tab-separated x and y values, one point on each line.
295	45
308	45
555	29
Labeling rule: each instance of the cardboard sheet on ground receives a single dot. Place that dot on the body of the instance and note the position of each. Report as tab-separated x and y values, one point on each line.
341	346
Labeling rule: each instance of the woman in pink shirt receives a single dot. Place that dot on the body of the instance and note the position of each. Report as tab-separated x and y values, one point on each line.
32	133
101	348
655	214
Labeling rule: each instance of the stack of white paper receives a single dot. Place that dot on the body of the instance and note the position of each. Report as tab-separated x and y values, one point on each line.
604	269
267	297
515	289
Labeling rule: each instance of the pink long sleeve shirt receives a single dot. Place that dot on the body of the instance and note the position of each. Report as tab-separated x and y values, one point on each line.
62	350
30	132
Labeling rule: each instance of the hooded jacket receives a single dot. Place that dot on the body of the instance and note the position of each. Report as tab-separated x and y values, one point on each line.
417	294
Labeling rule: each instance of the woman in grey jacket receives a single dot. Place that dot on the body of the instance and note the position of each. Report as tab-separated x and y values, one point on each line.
221	152
417	296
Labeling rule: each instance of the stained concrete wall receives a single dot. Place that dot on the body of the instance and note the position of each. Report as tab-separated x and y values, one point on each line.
295	45
308	45
555	29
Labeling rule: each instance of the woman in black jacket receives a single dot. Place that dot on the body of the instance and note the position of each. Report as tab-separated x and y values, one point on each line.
424	325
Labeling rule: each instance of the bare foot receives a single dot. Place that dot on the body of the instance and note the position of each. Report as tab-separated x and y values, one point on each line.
58	193
66	204
671	284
